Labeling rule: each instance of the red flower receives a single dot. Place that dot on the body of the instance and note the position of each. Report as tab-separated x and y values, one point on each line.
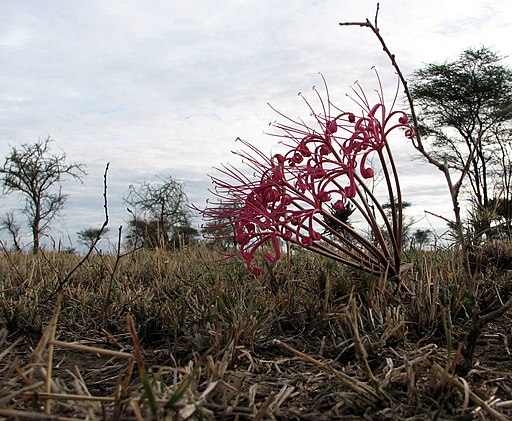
290	193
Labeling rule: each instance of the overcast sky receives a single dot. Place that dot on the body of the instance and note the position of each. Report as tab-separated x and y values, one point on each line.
164	87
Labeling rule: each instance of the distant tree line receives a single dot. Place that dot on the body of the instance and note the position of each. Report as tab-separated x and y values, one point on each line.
159	216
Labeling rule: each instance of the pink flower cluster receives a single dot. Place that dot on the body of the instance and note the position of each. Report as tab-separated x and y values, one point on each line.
289	193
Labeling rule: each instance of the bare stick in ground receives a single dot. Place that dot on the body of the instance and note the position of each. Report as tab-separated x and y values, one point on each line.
478	320
68	277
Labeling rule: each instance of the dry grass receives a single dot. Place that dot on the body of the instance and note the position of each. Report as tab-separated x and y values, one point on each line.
157	335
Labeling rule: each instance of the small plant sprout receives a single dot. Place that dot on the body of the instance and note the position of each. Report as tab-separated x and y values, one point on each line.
324	168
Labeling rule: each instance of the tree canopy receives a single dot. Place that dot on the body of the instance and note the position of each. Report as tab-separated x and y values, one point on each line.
465	108
88	236
160	214
36	173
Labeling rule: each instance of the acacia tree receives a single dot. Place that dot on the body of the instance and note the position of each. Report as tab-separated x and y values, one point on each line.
88	236
36	174
465	108
160	213
219	232
9	224
420	237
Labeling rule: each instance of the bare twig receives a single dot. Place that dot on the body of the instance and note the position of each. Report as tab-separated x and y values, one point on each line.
68	277
418	143
478	320
112	274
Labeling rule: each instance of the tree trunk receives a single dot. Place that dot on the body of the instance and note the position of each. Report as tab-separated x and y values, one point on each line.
36	231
